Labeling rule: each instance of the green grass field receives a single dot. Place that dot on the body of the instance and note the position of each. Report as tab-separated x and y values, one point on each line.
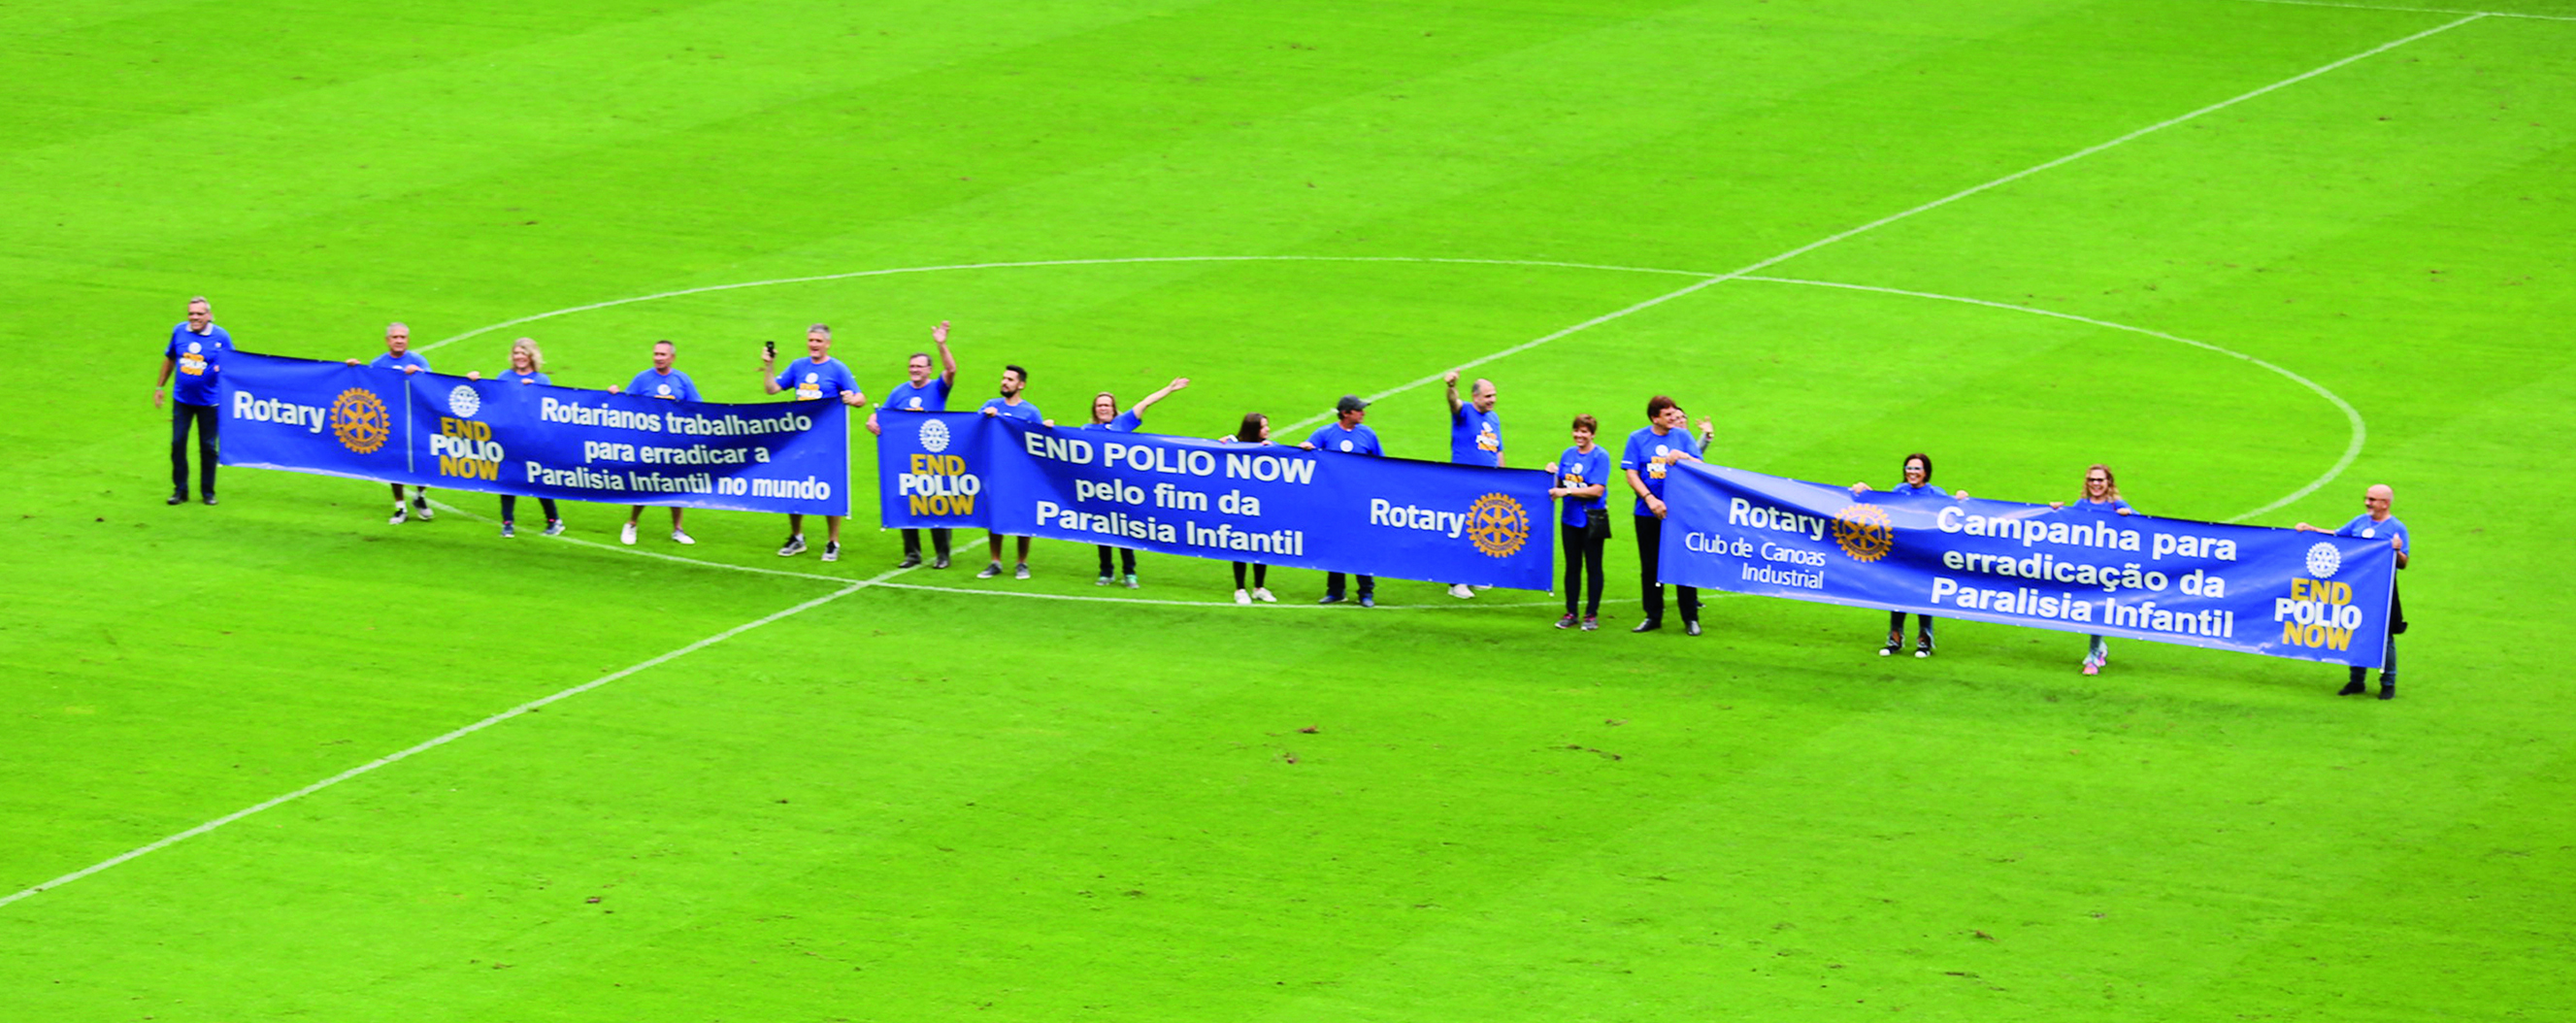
822	792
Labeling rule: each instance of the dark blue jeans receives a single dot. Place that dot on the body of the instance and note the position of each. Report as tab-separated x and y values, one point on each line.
208	446
510	504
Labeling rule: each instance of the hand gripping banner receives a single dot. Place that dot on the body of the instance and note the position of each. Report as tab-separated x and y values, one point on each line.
437	430
2308	596
1272	504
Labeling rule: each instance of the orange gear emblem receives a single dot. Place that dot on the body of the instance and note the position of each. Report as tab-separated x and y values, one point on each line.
1497	525
1864	532
358	419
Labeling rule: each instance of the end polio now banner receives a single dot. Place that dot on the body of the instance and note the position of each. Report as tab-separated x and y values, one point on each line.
437	430
1274	504
2279	592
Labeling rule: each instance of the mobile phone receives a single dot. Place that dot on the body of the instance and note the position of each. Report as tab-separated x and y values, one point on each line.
770	347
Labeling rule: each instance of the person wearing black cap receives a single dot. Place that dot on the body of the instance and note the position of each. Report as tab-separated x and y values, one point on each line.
1345	434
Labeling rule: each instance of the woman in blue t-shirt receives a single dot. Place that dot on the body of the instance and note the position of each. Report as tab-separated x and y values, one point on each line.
1918	480
527	366
1255	430
1583	482
2101	497
1105	416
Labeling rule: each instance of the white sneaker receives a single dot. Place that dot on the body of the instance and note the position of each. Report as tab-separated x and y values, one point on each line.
1482	587
401	513
1243	597
1462	591
626	534
831	550
426	512
682	538
1263	595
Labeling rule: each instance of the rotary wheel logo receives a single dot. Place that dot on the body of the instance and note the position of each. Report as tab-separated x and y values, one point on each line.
358	419
1864	532
934	436
1497	525
464	402
2324	560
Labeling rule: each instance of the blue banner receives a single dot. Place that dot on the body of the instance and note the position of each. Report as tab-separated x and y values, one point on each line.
534	441
2309	596
1272	504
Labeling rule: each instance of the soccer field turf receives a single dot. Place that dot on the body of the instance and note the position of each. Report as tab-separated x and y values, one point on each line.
2254	255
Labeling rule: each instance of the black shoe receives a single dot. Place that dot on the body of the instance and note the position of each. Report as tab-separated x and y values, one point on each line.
2352	688
1922	646
1329	598
911	559
2388	690
1649	625
1691	628
941	563
209	498
177	499
1368	600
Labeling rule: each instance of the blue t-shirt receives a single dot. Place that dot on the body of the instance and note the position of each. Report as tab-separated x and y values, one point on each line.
1915	490
512	376
1027	410
1358	440
1127	422
1576	470
1644	447
199	359
2110	507
929	397
391	361
654	384
1475	438
811	380
2362	527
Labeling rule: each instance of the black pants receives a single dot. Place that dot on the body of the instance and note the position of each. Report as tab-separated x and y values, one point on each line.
1650	545
938	541
1582	562
1333	585
1260	575
1126	556
510	504
1896	625
208	446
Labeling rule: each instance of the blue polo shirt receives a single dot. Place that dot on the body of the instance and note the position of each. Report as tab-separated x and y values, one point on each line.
512	376
1025	410
929	397
1644	447
1575	470
2362	527
391	361
1127	422
1475	438
810	379
1358	440
653	383
199	359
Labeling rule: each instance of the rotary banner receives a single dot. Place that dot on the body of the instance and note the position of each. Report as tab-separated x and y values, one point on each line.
2308	596
533	440
1272	504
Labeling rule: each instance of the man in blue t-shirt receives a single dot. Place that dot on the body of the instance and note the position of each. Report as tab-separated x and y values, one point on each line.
921	392
398	355
665	382
817	375
1475	437
1647	460
1345	434
2375	523
1010	405
195	356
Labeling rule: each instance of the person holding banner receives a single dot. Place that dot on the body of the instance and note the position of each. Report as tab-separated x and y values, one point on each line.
921	392
818	375
2375	522
668	383
1105	416
1014	380
2101	497
527	368
1918	482
195	356
1582	482
398	355
1347	435
1475	438
1649	456
1255	430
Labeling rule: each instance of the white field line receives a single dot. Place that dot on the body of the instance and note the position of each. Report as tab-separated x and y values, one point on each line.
2412	10
2351	449
460	733
1894	217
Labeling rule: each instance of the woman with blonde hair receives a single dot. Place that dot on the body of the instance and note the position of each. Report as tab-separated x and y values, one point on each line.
527	366
2101	497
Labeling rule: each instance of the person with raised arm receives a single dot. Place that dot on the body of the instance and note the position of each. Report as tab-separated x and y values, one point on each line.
1105	416
817	375
1475	437
922	392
